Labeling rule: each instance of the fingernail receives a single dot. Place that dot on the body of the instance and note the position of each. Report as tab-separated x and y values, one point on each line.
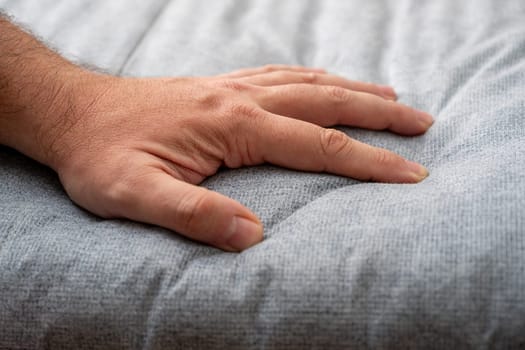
418	171
425	119
388	92
245	233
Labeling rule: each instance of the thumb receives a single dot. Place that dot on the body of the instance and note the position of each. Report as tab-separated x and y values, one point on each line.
194	212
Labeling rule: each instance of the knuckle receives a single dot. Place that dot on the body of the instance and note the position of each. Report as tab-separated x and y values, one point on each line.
116	197
241	122
208	99
233	85
396	110
337	94
193	211
240	128
243	111
335	143
383	157
116	191
282	75
292	91
121	186
271	68
310	78
240	117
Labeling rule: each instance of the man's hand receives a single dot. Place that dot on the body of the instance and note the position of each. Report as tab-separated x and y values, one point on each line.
137	148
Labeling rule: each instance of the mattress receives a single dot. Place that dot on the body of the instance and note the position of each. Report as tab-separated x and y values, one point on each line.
344	264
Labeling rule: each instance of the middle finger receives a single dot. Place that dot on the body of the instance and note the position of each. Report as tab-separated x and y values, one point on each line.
334	105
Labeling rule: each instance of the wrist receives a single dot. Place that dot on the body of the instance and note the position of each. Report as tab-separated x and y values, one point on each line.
61	114
37	123
42	95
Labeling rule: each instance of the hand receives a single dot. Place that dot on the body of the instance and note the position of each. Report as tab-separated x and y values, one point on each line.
136	148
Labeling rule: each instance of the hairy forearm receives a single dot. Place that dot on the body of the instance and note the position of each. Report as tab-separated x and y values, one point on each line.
36	93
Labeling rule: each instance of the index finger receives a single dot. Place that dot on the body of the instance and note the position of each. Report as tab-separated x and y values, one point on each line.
301	145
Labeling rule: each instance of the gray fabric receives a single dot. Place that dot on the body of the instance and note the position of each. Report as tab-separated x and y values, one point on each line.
344	264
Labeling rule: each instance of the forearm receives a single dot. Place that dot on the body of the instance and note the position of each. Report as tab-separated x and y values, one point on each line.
36	93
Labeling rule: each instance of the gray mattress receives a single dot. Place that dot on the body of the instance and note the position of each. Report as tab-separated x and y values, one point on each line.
344	264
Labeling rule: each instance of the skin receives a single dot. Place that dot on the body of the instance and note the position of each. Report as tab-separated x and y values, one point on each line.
137	148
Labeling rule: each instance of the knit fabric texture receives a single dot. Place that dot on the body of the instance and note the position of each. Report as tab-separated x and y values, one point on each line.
344	264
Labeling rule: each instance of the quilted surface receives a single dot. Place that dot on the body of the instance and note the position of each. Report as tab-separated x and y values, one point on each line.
344	264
